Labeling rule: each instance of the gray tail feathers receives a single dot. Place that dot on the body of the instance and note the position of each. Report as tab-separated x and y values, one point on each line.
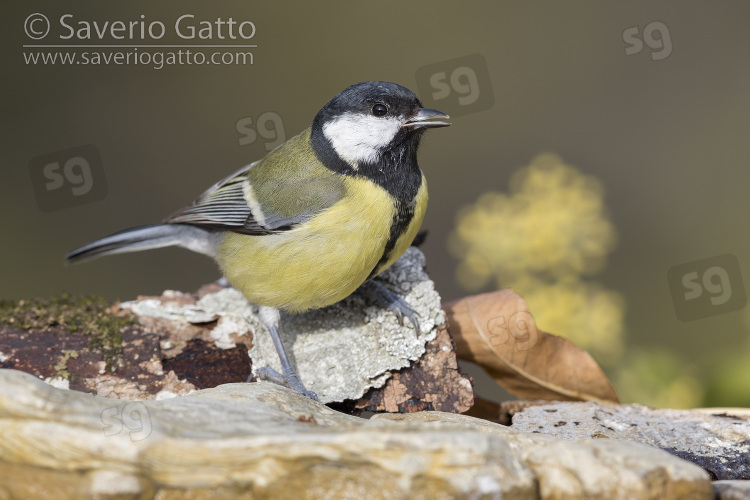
140	238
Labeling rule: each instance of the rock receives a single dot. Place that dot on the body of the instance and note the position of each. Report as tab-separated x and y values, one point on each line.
717	440
589	468
732	490
263	441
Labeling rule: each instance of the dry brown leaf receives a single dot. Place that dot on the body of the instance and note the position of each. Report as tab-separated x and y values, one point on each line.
497	331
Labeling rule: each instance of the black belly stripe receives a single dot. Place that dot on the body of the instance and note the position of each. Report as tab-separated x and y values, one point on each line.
401	220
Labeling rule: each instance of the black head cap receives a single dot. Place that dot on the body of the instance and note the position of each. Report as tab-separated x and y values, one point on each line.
365	96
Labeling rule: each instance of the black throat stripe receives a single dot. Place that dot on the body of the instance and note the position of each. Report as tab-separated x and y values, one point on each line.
399	174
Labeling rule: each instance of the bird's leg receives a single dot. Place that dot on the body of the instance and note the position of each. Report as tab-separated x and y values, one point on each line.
270	318
386	298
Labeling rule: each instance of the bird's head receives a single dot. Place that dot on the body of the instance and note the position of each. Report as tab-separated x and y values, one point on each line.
371	119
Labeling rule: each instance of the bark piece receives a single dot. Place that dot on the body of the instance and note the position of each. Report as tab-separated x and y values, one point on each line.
434	382
204	365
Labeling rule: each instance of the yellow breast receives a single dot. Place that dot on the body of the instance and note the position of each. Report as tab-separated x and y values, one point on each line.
323	260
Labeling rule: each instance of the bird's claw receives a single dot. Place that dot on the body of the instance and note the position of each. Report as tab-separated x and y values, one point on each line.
401	308
288	380
393	302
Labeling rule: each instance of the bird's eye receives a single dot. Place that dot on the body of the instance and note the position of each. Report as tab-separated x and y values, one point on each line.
379	110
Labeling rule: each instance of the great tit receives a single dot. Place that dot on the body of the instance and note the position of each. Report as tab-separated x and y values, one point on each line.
314	220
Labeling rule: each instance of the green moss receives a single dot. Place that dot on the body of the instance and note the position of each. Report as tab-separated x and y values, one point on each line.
61	368
85	315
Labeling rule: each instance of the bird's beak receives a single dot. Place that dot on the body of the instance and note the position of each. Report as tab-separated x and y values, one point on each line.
426	118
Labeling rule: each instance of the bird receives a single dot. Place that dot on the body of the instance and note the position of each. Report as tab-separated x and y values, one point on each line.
314	220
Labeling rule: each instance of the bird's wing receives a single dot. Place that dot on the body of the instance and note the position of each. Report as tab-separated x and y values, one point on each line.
286	188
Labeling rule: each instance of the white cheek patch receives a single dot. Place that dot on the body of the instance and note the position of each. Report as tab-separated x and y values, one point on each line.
357	138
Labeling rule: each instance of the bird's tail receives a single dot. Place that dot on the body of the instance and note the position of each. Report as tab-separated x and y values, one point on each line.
140	238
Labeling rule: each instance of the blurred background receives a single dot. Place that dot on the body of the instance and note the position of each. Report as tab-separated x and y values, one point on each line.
597	162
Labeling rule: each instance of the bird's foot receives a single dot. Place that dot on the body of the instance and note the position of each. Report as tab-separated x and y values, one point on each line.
391	301
288	380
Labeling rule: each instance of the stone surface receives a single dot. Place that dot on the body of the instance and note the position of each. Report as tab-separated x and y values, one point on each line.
262	441
589	468
732	490
717	440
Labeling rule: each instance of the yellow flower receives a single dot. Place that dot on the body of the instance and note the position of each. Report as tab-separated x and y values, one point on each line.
541	239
